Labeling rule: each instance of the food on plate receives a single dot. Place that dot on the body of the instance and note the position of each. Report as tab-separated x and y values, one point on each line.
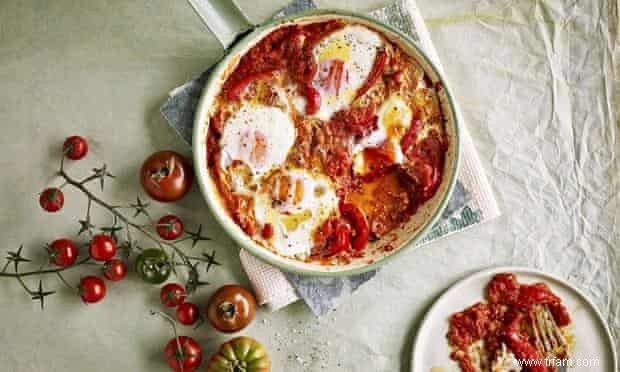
240	354
325	137
231	308
516	322
166	176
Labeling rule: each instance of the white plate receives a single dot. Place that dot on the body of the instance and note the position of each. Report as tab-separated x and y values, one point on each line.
593	341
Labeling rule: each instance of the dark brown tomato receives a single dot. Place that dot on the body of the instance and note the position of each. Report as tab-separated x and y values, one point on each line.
231	308
166	176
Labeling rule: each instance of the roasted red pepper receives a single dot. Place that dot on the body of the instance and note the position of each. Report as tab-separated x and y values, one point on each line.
523	350
313	99
235	92
375	74
267	231
360	225
341	242
410	135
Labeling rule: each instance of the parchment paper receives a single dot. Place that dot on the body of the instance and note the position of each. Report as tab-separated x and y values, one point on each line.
535	80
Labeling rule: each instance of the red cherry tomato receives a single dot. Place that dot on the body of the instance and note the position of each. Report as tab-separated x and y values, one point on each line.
170	227
183	354
115	270
166	176
52	199
188	313
75	147
92	289
236	91
172	295
63	252
102	247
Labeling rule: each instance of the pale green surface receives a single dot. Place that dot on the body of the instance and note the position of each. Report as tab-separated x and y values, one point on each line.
101	69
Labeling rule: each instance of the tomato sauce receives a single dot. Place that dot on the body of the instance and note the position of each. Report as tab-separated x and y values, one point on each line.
387	192
504	319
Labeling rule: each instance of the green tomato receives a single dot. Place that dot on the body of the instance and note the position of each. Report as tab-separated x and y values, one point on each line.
243	354
153	266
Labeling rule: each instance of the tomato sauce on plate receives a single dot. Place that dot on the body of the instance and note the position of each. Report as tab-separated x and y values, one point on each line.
505	319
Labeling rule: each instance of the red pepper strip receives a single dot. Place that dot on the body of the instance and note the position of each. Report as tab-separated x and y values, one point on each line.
334	76
342	241
409	138
375	73
313	99
523	350
235	92
360	224
267	232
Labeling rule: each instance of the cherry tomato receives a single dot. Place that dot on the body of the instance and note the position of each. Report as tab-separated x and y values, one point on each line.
183	354
153	266
75	147
115	270
188	313
63	252
231	308
240	354
92	289
170	227
172	295
102	247
52	199
166	176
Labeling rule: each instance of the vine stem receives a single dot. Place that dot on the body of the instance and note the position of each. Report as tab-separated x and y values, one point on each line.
46	271
80	186
172	323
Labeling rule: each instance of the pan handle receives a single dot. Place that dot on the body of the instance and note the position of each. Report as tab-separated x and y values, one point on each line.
223	18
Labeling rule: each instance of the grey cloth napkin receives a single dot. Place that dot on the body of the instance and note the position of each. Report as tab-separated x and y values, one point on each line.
472	201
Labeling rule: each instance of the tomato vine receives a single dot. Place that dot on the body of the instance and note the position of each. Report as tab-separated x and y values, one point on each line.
127	246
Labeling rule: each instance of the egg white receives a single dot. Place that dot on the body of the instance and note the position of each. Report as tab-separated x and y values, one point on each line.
294	222
356	46
259	136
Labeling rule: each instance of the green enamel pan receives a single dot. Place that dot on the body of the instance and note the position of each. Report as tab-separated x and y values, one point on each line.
237	36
